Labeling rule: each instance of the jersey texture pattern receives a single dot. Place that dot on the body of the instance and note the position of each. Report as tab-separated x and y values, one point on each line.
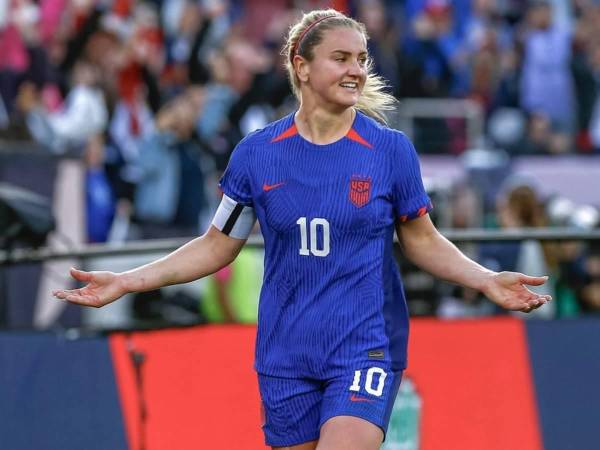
332	297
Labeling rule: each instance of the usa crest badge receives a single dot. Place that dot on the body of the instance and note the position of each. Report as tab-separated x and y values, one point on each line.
360	191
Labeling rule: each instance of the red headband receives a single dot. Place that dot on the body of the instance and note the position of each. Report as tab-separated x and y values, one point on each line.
308	28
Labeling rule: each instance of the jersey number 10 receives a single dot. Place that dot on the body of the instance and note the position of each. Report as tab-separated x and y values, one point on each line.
315	224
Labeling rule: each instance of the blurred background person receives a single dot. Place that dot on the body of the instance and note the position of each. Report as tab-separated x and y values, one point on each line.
148	99
547	87
82	115
590	290
169	196
519	207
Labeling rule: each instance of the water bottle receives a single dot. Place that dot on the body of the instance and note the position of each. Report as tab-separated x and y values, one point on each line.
403	430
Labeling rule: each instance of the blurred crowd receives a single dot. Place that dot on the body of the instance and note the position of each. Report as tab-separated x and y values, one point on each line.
573	267
153	96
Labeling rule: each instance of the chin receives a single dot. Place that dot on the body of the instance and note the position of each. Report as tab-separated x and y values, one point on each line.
347	100
341	100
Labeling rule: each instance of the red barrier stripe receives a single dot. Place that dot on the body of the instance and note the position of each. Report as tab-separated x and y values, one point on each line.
200	388
475	381
473	376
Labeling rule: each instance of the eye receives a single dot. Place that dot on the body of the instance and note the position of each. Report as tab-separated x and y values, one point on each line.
362	61
340	59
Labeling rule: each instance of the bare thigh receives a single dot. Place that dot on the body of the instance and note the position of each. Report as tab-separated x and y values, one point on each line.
312	445
349	433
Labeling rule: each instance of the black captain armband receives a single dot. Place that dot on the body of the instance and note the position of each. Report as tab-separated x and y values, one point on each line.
234	219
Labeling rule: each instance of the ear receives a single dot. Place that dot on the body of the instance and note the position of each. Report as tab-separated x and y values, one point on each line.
301	67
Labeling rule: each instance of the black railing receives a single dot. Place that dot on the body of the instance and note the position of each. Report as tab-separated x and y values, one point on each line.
21	255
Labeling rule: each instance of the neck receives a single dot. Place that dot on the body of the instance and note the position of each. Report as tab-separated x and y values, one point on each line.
321	126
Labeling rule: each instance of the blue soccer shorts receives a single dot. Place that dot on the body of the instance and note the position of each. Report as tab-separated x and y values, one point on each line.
295	409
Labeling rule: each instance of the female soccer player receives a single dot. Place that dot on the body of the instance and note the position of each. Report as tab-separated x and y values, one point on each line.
329	184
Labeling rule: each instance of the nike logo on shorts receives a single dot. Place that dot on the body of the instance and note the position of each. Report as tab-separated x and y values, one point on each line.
268	187
355	398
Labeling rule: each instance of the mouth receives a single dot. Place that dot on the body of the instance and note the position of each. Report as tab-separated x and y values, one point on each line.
349	85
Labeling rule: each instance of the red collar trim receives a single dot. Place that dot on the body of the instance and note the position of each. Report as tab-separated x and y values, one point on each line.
354	136
291	131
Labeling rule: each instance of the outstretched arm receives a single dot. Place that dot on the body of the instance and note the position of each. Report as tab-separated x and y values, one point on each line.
432	252
196	259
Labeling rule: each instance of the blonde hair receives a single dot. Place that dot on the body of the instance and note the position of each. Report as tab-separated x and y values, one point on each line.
308	33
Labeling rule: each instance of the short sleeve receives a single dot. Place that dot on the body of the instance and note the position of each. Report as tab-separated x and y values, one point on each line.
408	193
235	182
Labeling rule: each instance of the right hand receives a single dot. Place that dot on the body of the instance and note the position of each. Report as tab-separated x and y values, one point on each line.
101	288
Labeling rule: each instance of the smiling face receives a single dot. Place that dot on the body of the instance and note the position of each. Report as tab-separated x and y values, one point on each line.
336	74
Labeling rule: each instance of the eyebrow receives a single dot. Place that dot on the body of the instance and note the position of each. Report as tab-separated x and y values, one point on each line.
345	53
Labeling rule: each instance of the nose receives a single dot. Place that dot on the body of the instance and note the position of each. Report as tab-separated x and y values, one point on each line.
355	68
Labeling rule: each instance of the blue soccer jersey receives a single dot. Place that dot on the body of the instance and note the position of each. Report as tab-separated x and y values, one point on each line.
331	298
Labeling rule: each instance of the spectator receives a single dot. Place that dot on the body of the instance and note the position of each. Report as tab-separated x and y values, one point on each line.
82	116
458	302
121	66
546	83
162	163
594	125
100	201
584	38
520	207
382	41
18	20
423	47
590	291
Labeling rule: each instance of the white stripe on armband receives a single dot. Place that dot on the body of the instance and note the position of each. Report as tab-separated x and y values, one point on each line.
234	219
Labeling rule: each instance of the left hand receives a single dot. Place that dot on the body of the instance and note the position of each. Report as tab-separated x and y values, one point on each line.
508	290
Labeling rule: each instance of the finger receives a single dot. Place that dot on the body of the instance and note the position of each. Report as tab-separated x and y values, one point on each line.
61	293
541	299
80	275
538	302
83	300
533	304
527	295
530	306
533	281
